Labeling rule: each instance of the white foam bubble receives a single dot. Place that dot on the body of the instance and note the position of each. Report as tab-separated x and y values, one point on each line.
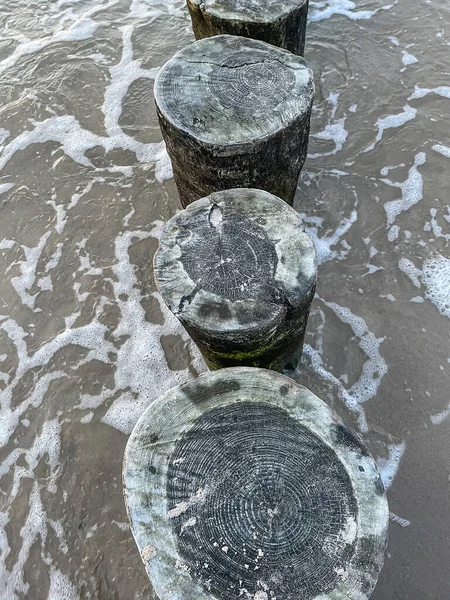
62	211
435	277
385	170
440	417
411	190
334	131
325	243
399	520
375	368
444	150
142	372
325	9
45	446
393	233
25	281
87	418
81	28
442	90
394	40
61	588
55	258
123	74
388	466
140	9
408	59
372	372
85	260
7	244
98	57
372	269
411	270
76	141
127	217
391	121
433	225
4	135
151	9
90	336
45	283
5	187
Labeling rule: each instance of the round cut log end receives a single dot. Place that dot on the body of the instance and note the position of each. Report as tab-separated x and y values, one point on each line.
245	484
228	90
258	11
234	264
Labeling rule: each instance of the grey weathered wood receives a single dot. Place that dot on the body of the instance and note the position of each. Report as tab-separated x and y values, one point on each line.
278	22
243	484
235	112
239	272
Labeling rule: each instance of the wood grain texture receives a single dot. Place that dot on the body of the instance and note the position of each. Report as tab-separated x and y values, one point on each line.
280	23
242	483
239	272
235	112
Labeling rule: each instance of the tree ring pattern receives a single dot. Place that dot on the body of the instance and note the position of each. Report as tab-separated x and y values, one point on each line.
260	503
235	260
250	83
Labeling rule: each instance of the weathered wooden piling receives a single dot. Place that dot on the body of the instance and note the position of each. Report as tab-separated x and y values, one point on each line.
235	112
239	272
243	484
280	23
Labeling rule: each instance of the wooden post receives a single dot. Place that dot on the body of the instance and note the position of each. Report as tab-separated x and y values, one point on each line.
281	24
239	272
243	484
235	112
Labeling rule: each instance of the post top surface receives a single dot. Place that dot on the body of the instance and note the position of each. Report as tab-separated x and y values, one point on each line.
230	89
235	261
263	11
243	483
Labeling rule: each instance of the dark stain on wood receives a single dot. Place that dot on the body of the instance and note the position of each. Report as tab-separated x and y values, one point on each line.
205	389
379	487
342	434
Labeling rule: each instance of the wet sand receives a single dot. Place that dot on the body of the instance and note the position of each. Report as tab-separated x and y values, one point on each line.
85	340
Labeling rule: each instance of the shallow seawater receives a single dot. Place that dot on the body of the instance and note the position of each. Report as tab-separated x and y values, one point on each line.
85	341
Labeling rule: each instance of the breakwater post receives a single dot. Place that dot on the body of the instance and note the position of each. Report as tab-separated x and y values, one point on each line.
243	484
281	24
235	112
239	272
